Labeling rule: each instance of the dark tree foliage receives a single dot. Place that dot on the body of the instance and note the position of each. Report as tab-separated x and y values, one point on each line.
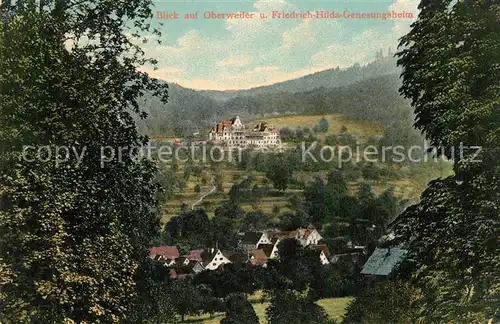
256	221
73	235
191	229
362	218
293	220
288	307
231	279
321	126
279	170
385	302
155	303
297	268
239	311
451	68
186	298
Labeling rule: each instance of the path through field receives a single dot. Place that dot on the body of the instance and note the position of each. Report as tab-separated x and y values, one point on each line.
201	198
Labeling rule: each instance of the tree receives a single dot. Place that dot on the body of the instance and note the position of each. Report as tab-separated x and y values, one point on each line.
279	171
276	210
321	126
186	298
217	179
73	233
372	305
191	229
226	224
293	220
239	310
300	266
255	221
167	180
155	303
197	188
315	201
450	73
288	307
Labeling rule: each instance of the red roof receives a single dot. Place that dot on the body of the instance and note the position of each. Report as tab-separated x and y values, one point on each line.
259	257
321	247
194	255
168	252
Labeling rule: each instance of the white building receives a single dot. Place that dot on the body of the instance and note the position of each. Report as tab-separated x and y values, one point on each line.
234	133
212	259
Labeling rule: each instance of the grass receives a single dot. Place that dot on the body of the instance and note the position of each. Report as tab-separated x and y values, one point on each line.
362	129
334	307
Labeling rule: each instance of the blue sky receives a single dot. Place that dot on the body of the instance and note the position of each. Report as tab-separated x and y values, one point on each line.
243	53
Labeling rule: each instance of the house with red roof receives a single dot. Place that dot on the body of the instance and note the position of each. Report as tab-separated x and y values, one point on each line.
168	254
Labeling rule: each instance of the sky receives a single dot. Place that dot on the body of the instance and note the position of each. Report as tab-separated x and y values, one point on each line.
230	54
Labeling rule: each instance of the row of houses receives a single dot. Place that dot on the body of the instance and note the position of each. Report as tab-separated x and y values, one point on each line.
194	261
262	246
256	248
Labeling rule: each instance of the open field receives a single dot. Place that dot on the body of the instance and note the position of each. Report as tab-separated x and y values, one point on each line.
361	129
409	186
334	307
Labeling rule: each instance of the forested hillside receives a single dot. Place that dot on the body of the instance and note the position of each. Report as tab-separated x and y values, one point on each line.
328	78
365	93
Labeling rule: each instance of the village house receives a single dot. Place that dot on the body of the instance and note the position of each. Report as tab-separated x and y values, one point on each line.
252	240
354	255
187	267
234	133
271	250
194	255
212	259
383	261
257	243
307	236
323	251
257	257
165	254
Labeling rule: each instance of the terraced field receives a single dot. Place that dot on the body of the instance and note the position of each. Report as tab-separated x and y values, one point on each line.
408	187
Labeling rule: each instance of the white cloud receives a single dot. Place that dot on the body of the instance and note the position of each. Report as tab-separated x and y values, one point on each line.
402	26
255	52
295	37
359	49
308	31
235	61
270	5
168	73
191	41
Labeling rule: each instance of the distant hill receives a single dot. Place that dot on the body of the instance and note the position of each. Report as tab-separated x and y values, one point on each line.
185	112
328	79
366	93
374	99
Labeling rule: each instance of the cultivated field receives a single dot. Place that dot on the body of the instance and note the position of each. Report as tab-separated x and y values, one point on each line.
409	187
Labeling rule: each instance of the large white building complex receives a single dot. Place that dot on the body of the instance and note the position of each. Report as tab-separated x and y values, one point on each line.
234	133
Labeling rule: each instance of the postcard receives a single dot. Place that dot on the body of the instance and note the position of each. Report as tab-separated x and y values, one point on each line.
249	161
